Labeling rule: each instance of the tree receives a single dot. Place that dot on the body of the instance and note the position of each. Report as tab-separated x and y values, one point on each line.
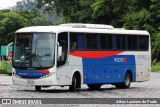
72	11
9	23
155	23
90	11
24	5
109	11
34	18
137	20
28	8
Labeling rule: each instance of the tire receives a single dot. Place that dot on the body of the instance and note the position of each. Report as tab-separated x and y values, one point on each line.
126	83
38	88
75	83
94	86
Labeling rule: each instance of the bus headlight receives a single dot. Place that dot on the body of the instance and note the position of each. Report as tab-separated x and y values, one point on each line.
14	74
47	75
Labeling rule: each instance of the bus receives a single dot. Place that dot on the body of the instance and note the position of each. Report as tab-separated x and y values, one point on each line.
74	54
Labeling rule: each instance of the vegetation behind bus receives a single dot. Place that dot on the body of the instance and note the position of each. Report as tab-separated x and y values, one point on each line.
130	14
3	67
156	67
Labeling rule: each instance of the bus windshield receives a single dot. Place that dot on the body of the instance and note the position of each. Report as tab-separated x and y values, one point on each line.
34	50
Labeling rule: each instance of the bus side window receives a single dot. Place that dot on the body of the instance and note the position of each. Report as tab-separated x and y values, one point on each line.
143	43
77	41
132	41
106	41
92	41
73	45
120	42
63	42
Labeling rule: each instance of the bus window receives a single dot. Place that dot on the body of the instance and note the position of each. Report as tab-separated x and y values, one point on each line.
143	42
63	41
120	42
132	42
106	41
76	41
92	41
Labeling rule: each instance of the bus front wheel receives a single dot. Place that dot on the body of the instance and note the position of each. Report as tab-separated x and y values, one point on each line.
38	88
75	83
126	83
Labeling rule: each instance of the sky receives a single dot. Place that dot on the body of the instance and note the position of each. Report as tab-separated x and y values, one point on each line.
7	3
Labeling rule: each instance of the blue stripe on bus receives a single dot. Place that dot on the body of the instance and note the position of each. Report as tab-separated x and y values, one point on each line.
108	70
29	73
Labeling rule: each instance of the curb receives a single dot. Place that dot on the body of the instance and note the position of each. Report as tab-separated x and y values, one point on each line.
3	74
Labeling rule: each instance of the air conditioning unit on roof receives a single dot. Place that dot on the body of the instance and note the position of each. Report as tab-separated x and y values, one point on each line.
92	26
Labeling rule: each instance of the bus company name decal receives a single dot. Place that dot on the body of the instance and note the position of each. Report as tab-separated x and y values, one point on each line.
121	59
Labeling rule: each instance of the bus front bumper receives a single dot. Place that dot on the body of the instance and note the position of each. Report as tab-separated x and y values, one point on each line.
46	81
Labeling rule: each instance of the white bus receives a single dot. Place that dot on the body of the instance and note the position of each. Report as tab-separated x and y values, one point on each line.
76	54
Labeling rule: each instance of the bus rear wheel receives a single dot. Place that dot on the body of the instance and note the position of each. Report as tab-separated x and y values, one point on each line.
75	83
126	83
94	86
38	88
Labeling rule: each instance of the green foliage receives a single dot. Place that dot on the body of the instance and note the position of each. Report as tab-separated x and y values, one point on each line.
86	10
28	9
3	67
156	67
12	21
24	5
34	18
109	11
136	20
156	47
9	23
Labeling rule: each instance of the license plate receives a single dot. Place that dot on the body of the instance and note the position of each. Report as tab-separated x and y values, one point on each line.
30	81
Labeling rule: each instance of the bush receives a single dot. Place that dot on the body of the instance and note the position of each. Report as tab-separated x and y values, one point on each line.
156	67
3	67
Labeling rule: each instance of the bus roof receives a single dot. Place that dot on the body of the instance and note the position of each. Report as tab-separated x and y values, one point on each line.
82	28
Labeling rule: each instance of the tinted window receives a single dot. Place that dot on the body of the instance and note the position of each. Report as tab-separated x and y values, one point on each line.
106	41
120	42
76	41
132	42
92	41
143	42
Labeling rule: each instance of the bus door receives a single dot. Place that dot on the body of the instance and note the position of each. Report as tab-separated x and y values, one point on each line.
62	66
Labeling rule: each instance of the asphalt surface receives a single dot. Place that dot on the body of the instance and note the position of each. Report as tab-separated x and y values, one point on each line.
147	89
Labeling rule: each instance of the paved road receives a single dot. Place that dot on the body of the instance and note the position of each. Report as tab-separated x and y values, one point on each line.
148	89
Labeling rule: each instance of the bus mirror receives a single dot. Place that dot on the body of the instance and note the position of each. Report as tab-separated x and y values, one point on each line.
59	51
